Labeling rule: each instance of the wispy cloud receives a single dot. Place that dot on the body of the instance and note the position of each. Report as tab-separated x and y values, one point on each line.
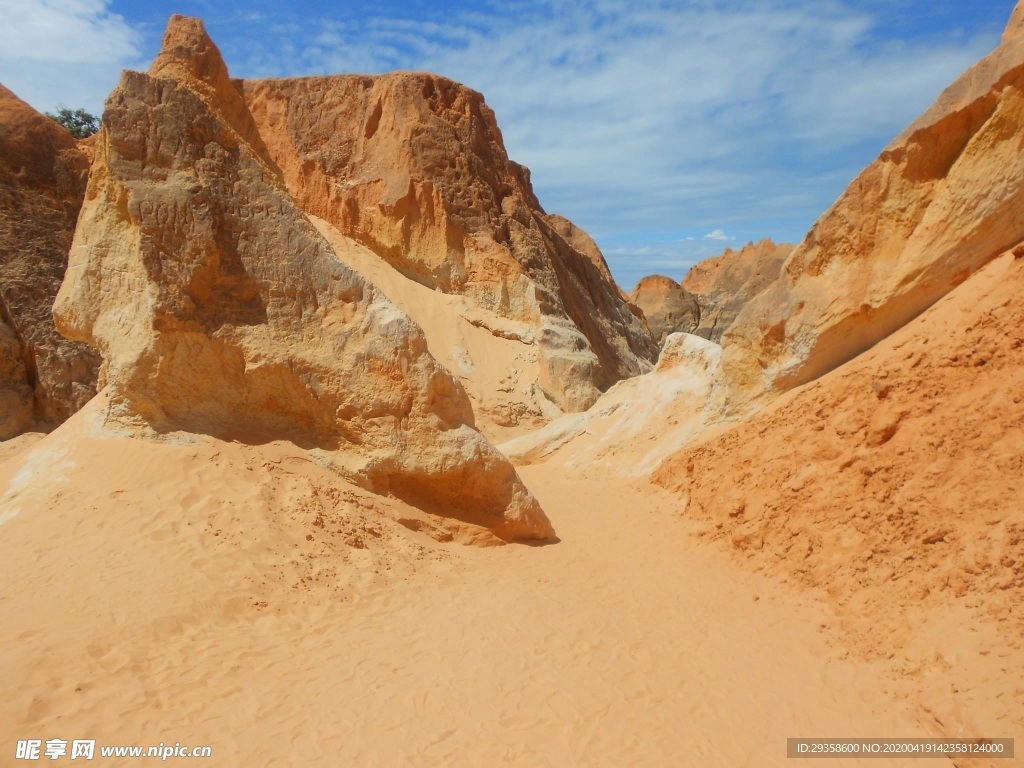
64	51
718	234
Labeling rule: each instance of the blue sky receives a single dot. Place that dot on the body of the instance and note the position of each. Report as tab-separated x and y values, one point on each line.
667	129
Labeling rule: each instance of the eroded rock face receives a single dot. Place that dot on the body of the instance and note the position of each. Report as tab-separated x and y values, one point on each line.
219	309
44	378
726	283
942	200
413	165
668	307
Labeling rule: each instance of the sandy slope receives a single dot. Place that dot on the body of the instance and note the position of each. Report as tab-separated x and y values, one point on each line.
230	595
493	357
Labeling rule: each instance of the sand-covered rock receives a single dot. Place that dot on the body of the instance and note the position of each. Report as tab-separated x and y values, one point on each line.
639	422
726	283
219	309
942	200
413	166
44	378
668	307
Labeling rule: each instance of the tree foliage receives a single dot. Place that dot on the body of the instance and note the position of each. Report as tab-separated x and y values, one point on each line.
78	122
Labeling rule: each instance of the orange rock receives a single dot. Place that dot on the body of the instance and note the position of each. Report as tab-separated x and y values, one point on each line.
413	166
43	377
1016	26
220	310
726	283
880	480
941	201
667	306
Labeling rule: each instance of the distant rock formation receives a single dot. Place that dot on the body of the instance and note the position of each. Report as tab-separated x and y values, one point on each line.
413	166
726	283
668	307
43	377
942	200
219	309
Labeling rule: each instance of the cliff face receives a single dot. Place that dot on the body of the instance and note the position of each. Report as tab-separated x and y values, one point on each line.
942	200
43	377
414	167
219	309
668	307
725	284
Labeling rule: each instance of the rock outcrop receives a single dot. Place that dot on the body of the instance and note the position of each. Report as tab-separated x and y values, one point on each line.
726	283
942	200
219	309
413	166
44	378
668	307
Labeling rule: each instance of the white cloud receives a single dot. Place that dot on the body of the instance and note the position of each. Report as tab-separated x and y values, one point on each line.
64	51
718	234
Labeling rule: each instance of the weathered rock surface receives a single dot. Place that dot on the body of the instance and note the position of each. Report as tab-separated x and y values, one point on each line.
668	307
726	283
219	309
44	378
413	165
942	200
583	243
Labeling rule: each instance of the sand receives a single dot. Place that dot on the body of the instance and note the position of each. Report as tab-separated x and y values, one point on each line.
185	591
494	358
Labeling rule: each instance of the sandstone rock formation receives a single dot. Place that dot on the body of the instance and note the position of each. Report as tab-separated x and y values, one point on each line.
43	377
942	200
583	243
726	283
219	309
1016	25
413	165
667	306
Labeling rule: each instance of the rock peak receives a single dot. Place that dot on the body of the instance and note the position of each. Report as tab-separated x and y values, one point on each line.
1015	27
188	52
190	57
650	281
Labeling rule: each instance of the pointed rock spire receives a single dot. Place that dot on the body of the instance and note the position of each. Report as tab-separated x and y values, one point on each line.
1016	25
